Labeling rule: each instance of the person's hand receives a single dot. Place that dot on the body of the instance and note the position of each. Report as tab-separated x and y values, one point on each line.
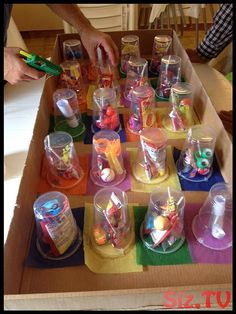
227	119
93	38
194	57
15	68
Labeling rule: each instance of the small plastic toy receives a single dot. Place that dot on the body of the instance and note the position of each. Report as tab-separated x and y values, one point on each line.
40	63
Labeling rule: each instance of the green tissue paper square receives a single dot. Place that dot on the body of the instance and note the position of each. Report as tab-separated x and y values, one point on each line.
147	257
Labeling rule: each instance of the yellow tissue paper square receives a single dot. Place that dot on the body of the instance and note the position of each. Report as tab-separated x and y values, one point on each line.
163	113
98	264
172	180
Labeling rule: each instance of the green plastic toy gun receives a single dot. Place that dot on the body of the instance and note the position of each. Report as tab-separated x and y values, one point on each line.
40	63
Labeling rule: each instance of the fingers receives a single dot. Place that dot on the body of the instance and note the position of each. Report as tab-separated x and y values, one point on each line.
31	72
15	68
111	50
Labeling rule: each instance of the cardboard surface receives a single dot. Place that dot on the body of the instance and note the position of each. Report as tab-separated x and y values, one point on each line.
78	287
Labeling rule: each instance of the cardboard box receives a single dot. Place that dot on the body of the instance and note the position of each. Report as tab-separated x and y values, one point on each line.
77	287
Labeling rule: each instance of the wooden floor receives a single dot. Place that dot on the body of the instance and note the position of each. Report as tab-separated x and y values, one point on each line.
42	42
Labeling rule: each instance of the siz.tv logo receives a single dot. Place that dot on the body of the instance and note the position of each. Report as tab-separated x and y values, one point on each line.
221	299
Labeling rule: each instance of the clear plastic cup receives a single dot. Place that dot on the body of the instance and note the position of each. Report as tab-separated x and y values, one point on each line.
107	167
58	236
67	117
105	112
137	75
112	234
170	73
161	48
143	113
180	119
162	230
212	226
72	49
72	78
196	157
150	166
107	74
64	170
129	48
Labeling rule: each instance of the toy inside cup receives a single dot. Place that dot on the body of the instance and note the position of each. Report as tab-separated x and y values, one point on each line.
180	119
150	165
105	112
129	48
161	47
58	236
72	77
72	49
107	167
170	73
64	170
67	115
143	109
196	157
137	75
112	234
162	230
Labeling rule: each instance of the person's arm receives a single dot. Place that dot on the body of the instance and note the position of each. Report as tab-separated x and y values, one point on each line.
15	68
91	38
219	35
217	38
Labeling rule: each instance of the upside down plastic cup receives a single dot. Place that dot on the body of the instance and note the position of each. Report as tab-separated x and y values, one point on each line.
162	230
72	49
212	226
112	233
105	112
180	119
107	74
64	170
161	48
150	165
129	48
67	115
58	236
137	75
72	78
143	113
107	167
195	161
170	73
